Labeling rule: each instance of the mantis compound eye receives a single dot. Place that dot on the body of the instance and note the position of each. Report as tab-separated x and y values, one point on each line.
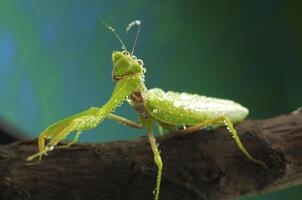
126	53
140	62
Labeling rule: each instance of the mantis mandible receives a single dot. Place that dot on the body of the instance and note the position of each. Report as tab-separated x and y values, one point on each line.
167	109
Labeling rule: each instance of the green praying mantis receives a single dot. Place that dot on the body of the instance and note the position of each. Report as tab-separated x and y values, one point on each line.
169	110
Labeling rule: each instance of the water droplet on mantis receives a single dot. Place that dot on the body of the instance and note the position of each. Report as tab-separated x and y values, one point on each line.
50	148
155	110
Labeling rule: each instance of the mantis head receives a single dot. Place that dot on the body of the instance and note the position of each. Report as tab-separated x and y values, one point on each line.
126	64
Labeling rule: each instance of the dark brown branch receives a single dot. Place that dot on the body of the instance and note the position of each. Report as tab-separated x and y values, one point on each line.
204	165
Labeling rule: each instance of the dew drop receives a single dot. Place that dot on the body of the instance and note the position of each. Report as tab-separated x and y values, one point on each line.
126	53
138	22
155	110
140	62
133	23
128	100
177	103
49	148
111	29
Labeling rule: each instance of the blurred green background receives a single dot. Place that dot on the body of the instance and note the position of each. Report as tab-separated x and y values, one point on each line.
55	58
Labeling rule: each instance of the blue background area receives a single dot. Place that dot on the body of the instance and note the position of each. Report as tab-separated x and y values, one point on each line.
55	57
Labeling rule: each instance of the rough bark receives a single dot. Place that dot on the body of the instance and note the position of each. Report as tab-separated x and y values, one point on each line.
203	165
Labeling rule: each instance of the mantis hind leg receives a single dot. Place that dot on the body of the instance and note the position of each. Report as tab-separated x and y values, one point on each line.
228	123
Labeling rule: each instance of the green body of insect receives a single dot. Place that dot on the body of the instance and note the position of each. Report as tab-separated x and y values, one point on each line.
168	109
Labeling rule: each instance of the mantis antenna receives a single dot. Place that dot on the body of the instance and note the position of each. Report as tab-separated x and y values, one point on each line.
131	24
116	34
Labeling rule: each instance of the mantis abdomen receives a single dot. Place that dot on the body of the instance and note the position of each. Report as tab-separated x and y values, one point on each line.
190	109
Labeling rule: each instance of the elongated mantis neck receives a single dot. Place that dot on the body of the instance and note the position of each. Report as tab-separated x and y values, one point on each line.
122	90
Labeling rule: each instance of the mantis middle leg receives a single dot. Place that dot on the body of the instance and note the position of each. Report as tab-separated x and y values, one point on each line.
152	140
157	158
124	121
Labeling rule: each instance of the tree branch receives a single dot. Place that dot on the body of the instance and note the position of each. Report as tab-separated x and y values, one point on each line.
203	165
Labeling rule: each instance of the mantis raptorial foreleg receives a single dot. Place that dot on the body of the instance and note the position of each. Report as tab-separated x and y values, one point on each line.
85	120
73	124
222	120
58	131
110	116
